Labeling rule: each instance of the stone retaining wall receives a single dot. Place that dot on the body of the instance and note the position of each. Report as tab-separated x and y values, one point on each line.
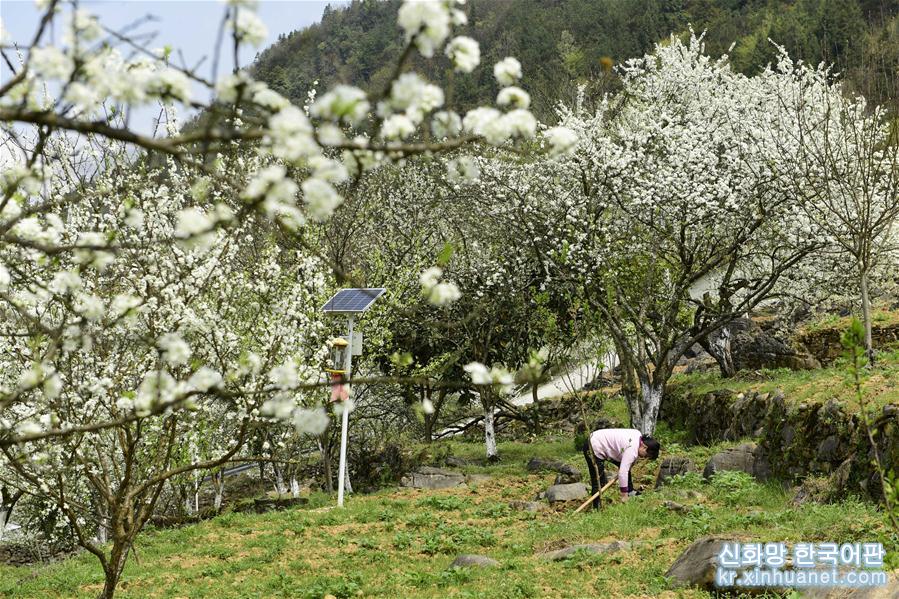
808	439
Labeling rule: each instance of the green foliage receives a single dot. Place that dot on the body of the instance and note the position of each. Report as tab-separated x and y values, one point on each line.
732	486
449	502
567	42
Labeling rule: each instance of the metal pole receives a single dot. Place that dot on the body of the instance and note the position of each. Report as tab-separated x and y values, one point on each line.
341	469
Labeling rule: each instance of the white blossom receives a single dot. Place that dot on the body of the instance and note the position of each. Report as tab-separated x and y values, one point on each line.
192	221
507	71
427	21
204	379
50	62
321	198
397	126
446	124
344	102
284	376
513	96
310	422
248	27
462	170
477	119
521	123
175	350
90	306
479	373
65	281
414	95
169	82
561	140
464	52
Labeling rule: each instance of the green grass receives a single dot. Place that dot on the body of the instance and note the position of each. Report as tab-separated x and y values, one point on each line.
881	385
881	317
400	542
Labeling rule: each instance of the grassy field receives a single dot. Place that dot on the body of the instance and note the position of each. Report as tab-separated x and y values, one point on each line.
400	542
881	385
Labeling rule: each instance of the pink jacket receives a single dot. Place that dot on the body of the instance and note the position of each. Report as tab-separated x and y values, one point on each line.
619	444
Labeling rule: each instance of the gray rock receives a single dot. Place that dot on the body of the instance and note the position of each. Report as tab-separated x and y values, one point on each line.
672	467
469	560
696	566
828	449
567	473
754	348
455	462
427	477
747	457
592	548
566	492
527	506
567	479
674	506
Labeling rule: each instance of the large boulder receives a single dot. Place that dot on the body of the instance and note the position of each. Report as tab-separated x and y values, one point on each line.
697	565
427	477
754	348
567	473
592	548
674	466
748	458
571	492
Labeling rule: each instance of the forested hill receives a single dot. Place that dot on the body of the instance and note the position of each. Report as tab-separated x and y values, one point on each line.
562	42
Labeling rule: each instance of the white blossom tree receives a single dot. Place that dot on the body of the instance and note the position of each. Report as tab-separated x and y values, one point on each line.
142	281
842	157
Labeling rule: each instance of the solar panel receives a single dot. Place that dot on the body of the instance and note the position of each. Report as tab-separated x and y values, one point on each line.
350	301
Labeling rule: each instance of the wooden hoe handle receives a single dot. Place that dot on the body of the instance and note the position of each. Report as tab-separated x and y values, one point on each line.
595	495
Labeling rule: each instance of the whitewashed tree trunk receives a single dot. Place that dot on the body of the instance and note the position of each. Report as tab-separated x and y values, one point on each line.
294	486
347	487
489	433
719	347
3	515
218	484
651	396
280	487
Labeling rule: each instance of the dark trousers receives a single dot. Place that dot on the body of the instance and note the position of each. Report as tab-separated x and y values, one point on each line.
598	472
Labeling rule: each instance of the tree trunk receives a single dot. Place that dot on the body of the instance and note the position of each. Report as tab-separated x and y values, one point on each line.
114	568
651	392
429	428
324	451
717	344
294	486
489	433
866	317
189	502
101	513
280	488
347	487
7	503
218	484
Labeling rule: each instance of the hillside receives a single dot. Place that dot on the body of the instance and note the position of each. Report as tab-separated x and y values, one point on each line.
399	542
565	42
